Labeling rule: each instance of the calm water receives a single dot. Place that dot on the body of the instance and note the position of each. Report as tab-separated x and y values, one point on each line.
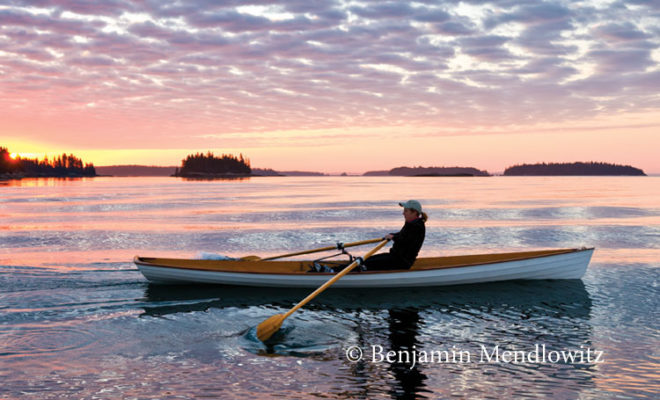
77	320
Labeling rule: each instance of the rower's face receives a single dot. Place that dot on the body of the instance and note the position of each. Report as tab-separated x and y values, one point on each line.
409	215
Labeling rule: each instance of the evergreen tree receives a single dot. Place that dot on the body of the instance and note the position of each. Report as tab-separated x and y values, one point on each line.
208	163
572	169
63	165
7	164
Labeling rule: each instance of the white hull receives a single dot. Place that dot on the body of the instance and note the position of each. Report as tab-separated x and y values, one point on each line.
560	266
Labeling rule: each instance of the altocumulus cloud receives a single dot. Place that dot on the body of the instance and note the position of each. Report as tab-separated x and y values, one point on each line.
258	66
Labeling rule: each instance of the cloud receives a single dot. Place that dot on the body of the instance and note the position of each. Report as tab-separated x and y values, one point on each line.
486	48
453	28
260	66
621	61
621	32
435	15
550	68
545	39
384	10
530	14
86	7
68	26
233	21
94	61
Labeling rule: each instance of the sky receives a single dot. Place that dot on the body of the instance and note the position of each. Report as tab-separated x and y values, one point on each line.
333	86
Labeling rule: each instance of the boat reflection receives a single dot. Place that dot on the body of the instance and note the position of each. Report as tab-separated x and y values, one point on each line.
568	298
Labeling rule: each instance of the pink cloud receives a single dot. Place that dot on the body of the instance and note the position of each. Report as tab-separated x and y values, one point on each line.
197	67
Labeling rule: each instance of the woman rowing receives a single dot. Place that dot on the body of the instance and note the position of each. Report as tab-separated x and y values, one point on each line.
407	242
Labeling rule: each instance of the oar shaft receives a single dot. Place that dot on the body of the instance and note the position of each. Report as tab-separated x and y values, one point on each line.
328	248
334	279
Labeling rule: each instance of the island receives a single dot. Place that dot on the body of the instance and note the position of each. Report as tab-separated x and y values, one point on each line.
429	171
573	169
207	165
12	166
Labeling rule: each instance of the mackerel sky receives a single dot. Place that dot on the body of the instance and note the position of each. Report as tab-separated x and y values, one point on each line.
333	85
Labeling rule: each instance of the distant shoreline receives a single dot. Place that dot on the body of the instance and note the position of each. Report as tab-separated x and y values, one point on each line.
573	169
144	170
439	172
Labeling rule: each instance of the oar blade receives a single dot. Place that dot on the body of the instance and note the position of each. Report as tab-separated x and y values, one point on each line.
268	328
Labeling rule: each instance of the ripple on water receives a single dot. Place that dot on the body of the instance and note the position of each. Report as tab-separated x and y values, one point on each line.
298	337
40	340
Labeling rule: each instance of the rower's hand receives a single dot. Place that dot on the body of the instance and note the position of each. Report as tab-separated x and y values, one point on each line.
389	236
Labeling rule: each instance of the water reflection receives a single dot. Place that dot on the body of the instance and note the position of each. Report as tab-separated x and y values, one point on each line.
61	236
404	325
512	315
560	298
45	182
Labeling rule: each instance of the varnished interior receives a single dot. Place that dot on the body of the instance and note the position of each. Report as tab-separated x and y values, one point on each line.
301	267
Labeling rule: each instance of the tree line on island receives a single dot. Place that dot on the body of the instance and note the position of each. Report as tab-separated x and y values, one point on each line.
198	168
65	165
540	169
208	165
201	165
429	171
573	169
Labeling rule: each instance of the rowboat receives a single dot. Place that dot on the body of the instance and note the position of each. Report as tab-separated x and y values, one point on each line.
431	271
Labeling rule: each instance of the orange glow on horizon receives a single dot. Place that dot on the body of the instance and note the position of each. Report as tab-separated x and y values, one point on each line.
629	139
15	156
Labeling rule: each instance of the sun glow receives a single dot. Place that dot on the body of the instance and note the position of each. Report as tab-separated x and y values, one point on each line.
16	156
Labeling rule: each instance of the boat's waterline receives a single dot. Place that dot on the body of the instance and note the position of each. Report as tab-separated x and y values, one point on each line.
556	264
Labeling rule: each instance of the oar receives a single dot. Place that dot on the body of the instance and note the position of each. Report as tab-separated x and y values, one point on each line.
339	246
267	328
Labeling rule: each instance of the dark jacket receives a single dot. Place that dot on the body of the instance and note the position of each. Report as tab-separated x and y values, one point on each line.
408	241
